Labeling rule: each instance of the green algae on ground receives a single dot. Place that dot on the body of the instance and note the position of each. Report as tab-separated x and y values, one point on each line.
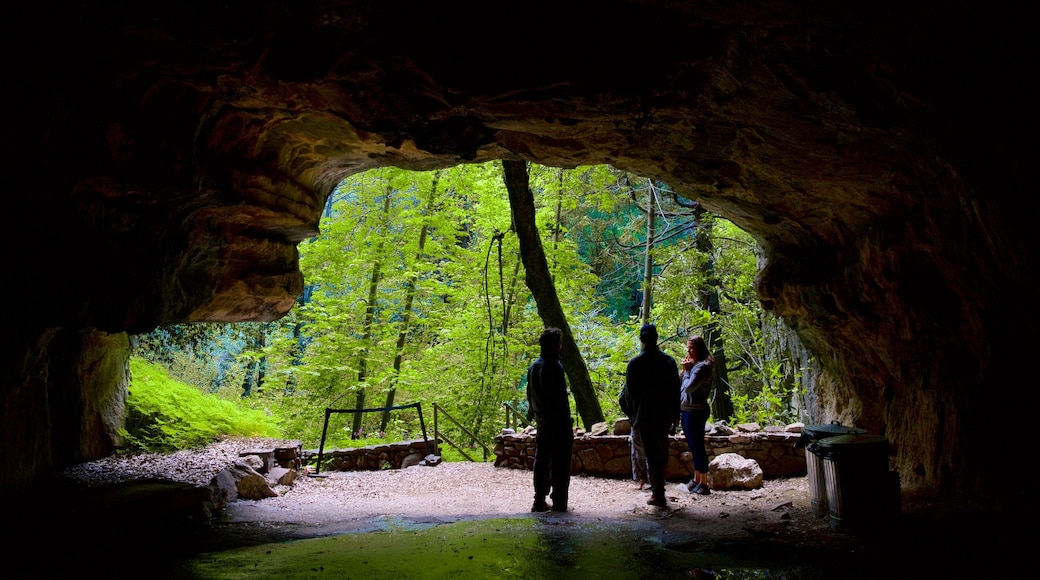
531	548
497	548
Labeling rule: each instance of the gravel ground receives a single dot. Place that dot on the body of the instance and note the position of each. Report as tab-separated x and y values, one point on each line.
334	502
776	516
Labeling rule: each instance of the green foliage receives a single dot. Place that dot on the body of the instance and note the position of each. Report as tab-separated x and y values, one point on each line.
214	357
473	328
599	217
165	415
438	250
772	404
769	406
449	454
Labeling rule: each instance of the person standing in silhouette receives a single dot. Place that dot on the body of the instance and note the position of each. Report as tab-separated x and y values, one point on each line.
651	384
554	440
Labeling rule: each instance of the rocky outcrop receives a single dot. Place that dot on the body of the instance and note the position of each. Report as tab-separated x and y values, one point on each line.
171	158
242	481
256	474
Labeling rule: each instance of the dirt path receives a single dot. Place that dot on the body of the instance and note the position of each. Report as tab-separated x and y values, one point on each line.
338	501
352	501
775	519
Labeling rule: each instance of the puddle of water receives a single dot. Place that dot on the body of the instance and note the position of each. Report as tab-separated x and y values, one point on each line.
529	548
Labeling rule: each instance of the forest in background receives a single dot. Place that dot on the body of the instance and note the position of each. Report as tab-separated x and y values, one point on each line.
415	291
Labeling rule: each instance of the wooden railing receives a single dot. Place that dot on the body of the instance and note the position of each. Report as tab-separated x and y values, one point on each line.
439	435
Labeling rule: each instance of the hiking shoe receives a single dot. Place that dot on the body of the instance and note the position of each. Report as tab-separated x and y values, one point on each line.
689	486
657	500
700	489
540	506
559	507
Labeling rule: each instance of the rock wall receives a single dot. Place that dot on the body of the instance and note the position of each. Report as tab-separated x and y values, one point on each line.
777	452
62	398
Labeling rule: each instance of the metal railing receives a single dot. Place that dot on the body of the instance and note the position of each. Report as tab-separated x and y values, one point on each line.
438	435
514	418
329	412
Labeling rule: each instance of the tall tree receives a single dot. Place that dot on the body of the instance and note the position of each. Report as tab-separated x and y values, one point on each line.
256	371
409	298
648	261
540	283
370	318
708	296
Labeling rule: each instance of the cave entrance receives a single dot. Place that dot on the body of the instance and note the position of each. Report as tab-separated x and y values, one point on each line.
414	289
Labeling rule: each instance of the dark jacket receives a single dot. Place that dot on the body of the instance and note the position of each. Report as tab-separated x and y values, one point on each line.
547	392
651	386
696	386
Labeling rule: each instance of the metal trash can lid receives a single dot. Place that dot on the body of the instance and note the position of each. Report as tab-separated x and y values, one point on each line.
851	444
831	429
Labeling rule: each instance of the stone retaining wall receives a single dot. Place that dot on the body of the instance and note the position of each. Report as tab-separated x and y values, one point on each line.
778	453
374	457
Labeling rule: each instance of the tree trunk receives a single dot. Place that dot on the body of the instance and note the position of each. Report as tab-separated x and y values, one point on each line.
648	259
299	347
708	296
255	371
539	281
370	316
406	315
261	365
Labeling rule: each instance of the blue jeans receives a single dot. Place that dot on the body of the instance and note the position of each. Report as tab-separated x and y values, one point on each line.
693	428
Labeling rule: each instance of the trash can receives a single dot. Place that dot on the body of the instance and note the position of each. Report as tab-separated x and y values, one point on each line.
811	436
858	481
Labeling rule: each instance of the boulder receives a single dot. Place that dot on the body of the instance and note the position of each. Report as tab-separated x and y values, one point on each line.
281	476
412	459
622	426
598	429
733	471
242	481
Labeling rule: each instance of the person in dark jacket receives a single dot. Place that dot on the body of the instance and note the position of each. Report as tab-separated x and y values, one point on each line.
651	384
698	370
554	440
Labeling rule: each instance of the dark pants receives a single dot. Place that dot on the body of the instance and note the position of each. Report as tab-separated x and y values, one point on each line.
552	463
693	427
638	457
655	444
